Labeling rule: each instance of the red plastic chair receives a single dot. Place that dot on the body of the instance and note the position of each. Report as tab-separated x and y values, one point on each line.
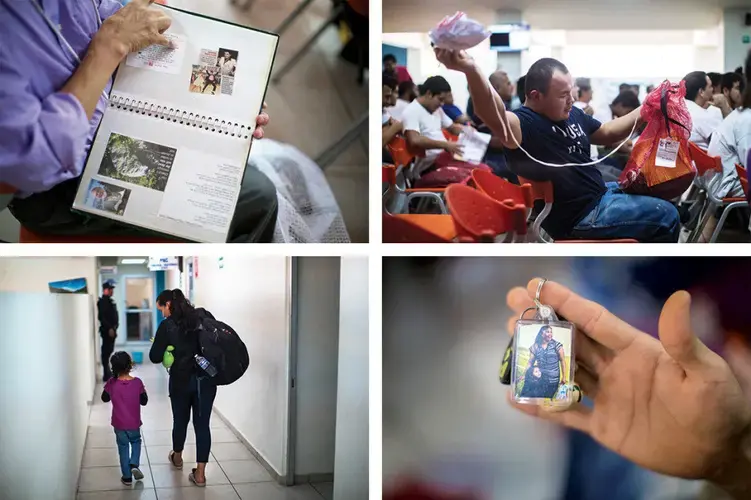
502	190
705	163
544	191
480	219
399	152
707	167
27	236
743	177
449	136
397	199
730	203
404	229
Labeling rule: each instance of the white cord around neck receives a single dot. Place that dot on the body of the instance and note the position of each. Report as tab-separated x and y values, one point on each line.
595	162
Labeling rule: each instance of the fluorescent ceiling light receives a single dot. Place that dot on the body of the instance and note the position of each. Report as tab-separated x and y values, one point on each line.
132	261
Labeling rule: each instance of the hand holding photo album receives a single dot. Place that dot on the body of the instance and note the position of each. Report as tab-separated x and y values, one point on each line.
172	148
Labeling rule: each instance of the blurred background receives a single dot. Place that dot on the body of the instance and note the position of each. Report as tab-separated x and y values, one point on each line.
608	42
318	103
446	420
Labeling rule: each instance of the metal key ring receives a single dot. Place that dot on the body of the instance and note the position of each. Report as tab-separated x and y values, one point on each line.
539	291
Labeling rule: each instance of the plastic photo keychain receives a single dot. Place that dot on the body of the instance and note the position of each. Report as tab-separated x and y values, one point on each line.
538	362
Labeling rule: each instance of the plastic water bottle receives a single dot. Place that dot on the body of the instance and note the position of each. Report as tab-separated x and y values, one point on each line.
207	367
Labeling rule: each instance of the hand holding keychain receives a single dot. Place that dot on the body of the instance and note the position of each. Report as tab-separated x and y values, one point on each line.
538	362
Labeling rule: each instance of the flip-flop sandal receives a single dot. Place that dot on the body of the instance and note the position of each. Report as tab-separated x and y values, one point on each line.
172	461
192	477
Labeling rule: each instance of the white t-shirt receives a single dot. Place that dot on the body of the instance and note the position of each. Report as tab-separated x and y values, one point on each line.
397	109
385	116
705	123
717	112
732	142
417	118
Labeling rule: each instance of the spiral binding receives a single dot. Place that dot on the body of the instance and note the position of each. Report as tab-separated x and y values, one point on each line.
207	123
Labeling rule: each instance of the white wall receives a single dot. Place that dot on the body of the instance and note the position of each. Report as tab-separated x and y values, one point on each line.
32	274
423	15
172	279
400	18
48	365
351	463
317	302
734	25
252	295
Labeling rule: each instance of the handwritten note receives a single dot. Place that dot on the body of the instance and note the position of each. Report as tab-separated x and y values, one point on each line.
159	57
202	190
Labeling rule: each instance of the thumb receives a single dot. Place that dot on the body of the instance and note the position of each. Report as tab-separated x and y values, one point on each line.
677	336
160	39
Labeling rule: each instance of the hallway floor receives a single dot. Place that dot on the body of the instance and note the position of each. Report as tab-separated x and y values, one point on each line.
232	472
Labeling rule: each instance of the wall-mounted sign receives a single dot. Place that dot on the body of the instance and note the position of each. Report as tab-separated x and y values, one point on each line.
76	285
108	270
162	263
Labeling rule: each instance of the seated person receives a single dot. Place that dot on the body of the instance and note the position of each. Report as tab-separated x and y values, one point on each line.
495	157
390	127
732	143
51	107
733	86
453	111
424	122
517	101
392	69
406	94
698	97
611	168
584	94
552	130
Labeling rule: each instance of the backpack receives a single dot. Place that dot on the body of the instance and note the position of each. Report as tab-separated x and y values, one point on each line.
224	349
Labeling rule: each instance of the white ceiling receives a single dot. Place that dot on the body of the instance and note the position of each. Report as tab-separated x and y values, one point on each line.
400	16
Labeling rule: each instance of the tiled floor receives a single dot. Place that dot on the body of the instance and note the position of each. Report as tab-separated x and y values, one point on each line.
232	473
313	105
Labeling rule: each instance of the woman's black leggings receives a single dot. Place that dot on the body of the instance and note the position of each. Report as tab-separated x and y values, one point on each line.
198	396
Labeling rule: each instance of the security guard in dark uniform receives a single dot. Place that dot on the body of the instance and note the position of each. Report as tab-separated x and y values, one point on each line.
109	320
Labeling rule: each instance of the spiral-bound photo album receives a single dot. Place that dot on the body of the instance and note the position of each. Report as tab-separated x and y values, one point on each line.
171	151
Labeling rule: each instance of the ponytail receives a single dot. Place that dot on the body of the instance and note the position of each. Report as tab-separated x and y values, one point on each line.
181	310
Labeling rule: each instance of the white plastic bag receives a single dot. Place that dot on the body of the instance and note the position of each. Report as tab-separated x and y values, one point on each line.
458	32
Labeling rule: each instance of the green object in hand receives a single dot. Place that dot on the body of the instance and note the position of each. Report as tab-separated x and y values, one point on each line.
168	357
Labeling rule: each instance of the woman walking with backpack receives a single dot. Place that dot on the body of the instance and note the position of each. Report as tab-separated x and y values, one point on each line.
190	387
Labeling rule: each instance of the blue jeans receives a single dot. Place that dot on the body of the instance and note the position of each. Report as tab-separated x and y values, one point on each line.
620	215
129	448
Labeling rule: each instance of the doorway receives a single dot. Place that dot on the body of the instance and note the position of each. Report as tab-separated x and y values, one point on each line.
139	308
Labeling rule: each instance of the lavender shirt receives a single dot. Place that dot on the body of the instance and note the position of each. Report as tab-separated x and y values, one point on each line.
45	135
126	403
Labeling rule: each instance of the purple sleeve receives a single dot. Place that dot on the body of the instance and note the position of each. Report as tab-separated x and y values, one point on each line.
108	7
108	385
42	143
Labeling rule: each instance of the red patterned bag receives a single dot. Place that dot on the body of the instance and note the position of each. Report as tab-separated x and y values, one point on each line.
660	165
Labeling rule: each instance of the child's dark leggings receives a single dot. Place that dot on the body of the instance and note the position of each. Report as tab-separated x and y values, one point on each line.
198	396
